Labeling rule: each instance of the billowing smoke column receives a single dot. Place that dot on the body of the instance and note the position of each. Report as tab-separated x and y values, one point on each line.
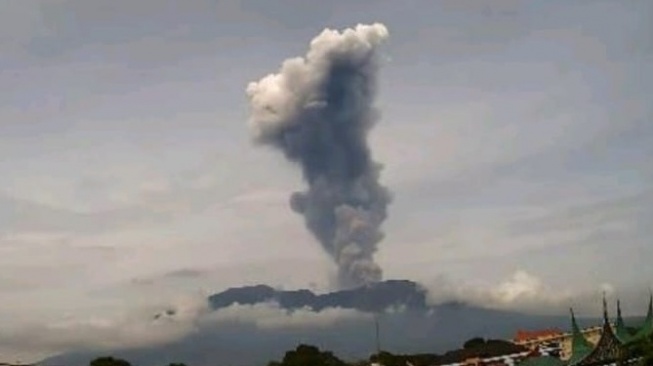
318	110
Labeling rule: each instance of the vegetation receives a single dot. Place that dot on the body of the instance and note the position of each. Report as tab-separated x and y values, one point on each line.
308	355
109	361
305	355
473	343
388	359
642	348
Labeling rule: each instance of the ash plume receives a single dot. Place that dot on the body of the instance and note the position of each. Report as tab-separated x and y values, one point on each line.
318	110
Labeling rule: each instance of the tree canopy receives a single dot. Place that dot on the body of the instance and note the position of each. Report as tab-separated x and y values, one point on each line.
109	361
389	359
308	355
473	343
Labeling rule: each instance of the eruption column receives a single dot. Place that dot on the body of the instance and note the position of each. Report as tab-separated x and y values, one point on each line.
318	110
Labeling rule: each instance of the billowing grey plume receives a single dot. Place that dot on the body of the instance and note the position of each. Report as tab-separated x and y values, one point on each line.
318	110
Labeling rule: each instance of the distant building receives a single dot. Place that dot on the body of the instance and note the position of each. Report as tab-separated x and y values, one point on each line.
501	360
545	342
554	342
492	353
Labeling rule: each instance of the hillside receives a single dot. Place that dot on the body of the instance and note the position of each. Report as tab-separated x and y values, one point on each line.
418	329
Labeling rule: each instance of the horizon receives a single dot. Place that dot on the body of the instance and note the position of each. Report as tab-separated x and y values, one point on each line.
143	172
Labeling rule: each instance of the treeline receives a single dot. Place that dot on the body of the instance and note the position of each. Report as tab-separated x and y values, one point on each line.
308	355
476	347
112	361
305	355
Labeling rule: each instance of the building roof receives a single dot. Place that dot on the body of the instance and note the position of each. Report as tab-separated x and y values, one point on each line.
580	346
608	347
622	333
526	335
488	349
647	328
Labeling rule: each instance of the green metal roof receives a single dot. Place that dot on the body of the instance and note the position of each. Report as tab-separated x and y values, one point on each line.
647	328
580	346
622	333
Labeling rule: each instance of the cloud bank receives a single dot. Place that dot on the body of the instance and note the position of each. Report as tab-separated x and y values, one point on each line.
527	293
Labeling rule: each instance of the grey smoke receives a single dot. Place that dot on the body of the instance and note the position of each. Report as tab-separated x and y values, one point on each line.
318	110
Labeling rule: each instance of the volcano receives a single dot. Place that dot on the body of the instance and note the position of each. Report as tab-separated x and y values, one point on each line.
414	326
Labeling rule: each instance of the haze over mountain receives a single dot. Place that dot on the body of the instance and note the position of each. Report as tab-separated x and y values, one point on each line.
340	321
251	325
376	297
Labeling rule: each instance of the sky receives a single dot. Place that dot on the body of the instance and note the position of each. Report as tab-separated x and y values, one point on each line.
515	136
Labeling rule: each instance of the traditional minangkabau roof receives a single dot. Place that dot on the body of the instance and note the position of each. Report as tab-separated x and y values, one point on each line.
647	328
608	348
621	331
580	346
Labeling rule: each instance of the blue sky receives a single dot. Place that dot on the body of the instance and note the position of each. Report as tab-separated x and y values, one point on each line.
516	139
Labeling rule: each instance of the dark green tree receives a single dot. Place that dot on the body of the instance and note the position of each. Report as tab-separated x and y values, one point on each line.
109	361
389	359
473	343
308	355
642	347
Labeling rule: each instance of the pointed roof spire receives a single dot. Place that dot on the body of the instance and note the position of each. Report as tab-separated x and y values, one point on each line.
576	334
580	346
574	325
650	304
646	329
648	322
621	332
605	310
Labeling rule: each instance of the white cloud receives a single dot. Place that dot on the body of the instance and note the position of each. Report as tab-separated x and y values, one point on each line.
523	291
158	324
520	286
131	328
272	316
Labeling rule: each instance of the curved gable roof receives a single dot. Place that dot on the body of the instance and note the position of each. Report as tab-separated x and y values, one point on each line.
647	328
580	346
621	331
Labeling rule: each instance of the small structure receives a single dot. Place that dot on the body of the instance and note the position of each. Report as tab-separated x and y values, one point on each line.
546	342
493	353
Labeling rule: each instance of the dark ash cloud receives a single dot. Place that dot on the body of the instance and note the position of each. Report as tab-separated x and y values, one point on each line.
318	111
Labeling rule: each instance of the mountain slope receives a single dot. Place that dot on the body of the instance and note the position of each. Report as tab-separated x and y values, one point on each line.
373	298
418	329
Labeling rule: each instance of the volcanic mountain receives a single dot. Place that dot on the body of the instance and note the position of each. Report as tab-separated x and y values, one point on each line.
413	326
375	297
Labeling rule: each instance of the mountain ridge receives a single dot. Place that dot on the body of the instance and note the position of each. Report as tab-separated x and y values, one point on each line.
419	327
375	297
